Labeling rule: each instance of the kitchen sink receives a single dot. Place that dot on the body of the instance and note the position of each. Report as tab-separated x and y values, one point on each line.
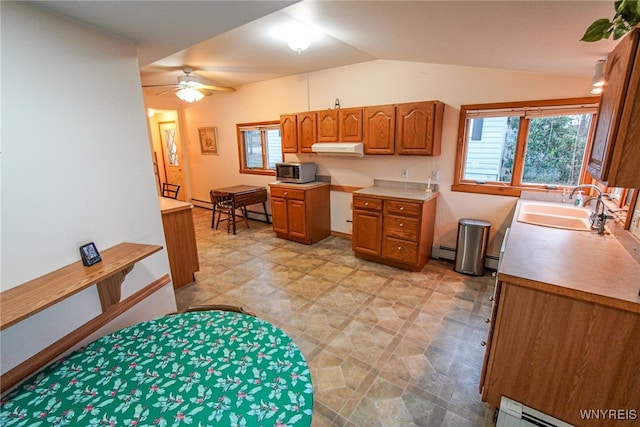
555	215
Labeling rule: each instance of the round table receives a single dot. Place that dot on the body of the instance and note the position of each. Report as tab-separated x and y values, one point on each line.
208	368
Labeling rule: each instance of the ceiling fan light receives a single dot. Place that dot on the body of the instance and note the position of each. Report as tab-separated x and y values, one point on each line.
189	95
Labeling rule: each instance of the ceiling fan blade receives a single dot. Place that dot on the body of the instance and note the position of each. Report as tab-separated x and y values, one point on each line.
220	88
169	85
167	91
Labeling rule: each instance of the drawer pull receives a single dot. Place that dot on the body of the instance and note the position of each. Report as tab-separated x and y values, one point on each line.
399	248
366	203
491	298
286	194
487	320
483	343
401	225
401	208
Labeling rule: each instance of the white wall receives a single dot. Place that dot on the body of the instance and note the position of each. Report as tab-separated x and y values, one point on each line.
76	167
372	83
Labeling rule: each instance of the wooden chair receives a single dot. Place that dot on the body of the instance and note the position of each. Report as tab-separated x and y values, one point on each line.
219	307
223	204
170	190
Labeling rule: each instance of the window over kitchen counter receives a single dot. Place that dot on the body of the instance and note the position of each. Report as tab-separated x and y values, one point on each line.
506	147
259	147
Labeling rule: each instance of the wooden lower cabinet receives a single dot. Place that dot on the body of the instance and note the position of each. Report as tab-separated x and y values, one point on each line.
560	354
180	236
396	232
301	212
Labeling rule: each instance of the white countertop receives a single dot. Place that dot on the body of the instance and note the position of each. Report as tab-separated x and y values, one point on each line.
396	193
579	264
304	186
168	205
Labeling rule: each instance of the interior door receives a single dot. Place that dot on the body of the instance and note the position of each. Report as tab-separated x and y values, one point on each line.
172	156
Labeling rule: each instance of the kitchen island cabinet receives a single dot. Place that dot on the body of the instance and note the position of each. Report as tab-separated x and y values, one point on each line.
180	235
565	324
394	226
301	212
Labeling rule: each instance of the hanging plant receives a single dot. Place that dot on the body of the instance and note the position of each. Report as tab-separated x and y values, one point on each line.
627	16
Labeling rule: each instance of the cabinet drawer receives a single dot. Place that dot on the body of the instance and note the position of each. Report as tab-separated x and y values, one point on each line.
287	193
367	203
401	227
400	250
396	207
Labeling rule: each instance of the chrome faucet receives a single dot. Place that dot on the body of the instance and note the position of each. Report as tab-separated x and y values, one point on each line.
598	220
595	187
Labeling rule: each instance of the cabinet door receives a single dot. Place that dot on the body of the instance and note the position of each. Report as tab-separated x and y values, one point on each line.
279	215
379	129
617	73
350	125
367	232
307	132
289	133
297	218
328	126
419	128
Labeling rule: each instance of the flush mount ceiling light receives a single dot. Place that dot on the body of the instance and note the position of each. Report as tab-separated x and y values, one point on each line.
597	82
297	36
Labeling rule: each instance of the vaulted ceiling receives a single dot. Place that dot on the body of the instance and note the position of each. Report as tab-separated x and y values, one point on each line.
231	43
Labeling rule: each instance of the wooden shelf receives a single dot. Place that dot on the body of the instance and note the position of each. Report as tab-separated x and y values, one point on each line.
25	300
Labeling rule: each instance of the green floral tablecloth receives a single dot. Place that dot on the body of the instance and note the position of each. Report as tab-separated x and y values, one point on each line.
210	368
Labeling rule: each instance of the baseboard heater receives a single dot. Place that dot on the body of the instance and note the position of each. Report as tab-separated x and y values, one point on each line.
208	205
449	253
515	414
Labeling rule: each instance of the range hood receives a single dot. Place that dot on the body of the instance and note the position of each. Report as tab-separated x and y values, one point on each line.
353	149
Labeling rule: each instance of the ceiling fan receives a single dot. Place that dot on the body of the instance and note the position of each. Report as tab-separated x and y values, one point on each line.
189	88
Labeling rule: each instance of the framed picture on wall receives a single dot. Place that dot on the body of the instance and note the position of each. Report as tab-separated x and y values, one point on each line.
208	140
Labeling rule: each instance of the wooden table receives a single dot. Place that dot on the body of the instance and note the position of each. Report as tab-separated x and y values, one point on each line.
243	196
212	368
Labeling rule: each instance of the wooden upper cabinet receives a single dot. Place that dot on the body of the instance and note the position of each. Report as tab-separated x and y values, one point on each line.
340	125
289	133
350	124
419	128
379	129
615	153
328	126
307	131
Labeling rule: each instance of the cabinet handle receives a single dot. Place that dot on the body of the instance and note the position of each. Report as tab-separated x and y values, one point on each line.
401	208
487	320
401	225
366	203
399	248
483	343
491	298
286	194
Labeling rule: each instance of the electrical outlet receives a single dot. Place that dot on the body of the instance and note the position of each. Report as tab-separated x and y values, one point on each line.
435	174
405	173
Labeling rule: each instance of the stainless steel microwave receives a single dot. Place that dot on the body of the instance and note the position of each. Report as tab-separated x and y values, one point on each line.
298	173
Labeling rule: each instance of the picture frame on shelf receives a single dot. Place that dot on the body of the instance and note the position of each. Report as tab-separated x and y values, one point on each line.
208	140
89	254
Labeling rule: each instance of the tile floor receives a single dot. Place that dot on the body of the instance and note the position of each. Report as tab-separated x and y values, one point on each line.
386	347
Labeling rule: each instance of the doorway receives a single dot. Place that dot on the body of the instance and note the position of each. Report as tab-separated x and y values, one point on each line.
167	151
